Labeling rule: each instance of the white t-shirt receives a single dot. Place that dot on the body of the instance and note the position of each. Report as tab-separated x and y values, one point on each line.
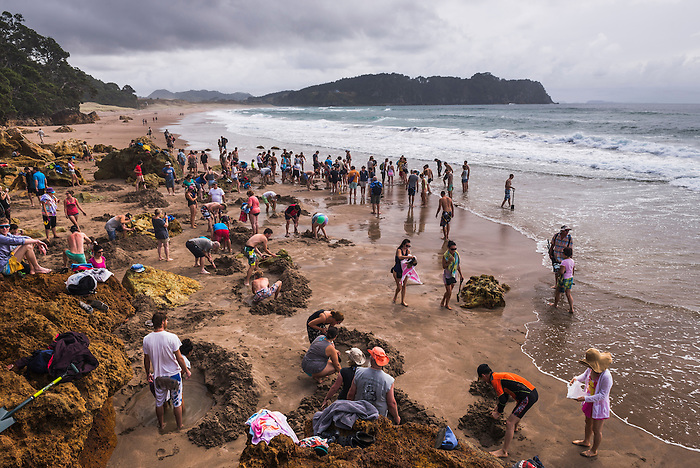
216	194
269	195
160	348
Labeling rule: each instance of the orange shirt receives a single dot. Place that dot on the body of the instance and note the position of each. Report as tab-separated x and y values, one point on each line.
353	176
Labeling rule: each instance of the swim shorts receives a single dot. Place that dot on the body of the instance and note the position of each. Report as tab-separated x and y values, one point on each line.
448	278
12	266
565	284
49	222
205	212
375	199
411	191
250	254
175	395
196	251
446	218
525	404
75	258
264	293
507	194
221	234
353	185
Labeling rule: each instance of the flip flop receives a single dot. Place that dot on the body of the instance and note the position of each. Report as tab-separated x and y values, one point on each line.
579	443
587	455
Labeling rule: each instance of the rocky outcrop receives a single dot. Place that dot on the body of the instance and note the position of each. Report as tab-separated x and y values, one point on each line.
165	288
70	147
120	164
53	429
30	153
73	117
483	291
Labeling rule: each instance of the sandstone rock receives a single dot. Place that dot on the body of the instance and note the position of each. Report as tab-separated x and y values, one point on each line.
143	225
73	117
12	139
483	291
70	147
64	129
120	164
100	148
165	288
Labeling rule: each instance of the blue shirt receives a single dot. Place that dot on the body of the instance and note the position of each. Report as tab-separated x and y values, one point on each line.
169	173
219	226
39	180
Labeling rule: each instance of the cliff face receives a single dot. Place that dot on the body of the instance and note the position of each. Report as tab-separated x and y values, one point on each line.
395	89
53	430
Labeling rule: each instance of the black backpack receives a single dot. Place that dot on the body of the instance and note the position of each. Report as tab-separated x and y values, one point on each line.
376	189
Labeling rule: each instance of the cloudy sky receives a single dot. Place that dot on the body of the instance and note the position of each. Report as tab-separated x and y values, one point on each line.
614	50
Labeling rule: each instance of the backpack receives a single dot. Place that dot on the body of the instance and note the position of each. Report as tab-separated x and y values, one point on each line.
376	189
71	347
446	439
81	284
534	462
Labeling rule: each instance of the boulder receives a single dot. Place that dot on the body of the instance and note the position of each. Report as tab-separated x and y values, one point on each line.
30	153
69	147
73	117
483	291
143	225
64	129
100	148
120	164
56	173
165	288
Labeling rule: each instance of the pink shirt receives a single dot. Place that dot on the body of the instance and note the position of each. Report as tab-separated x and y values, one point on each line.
568	264
254	205
95	264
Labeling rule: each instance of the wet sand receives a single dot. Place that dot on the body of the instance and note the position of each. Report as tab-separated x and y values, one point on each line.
441	348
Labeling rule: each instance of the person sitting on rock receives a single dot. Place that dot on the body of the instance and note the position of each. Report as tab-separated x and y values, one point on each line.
374	385
14	249
261	288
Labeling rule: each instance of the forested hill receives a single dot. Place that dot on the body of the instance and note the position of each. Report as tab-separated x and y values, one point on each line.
395	89
37	81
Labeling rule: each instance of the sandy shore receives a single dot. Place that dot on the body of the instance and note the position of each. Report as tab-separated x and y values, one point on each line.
441	348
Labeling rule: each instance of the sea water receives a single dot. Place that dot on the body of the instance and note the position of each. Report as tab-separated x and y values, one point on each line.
625	178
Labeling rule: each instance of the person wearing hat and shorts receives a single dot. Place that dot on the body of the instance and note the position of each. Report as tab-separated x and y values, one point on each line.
561	240
374	385
49	211
169	174
507	385
596	404
356	358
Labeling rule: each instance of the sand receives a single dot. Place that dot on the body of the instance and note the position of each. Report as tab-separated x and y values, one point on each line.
440	349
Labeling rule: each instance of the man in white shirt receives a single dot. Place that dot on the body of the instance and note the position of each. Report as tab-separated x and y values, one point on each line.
162	349
217	194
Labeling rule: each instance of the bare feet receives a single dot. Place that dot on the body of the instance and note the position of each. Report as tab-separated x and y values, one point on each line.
204	272
40	270
448	307
581	443
500	453
588	454
404	304
169	260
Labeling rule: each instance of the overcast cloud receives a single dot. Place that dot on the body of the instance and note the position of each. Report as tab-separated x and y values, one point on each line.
616	50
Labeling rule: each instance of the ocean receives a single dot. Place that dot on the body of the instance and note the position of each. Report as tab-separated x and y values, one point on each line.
624	177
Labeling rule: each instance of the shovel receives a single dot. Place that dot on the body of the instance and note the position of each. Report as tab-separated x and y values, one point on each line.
512	200
6	419
461	280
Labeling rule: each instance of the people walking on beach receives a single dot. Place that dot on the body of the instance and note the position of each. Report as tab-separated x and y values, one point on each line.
41	136
383	167
596	404
559	242
75	253
39	181
509	187
424	187
375	195
319	321
291	215
73	176
403	252
322	358
72	208
116	224
439	167
169	175
445	204
390	174
507	385
566	279
252	251
261	289
254	213
451	266
14	249
465	176
204	159
318	224
374	385
160	229
162	349
140	182
428	173
449	175
356	359
201	248
412	186
49	212
364	180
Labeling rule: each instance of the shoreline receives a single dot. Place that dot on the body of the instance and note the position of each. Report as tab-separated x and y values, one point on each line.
477	246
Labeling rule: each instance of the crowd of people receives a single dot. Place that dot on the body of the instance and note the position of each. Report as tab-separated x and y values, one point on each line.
207	200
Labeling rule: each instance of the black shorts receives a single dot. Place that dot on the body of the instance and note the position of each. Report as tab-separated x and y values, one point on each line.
196	251
291	218
40	191
411	191
49	221
450	280
525	404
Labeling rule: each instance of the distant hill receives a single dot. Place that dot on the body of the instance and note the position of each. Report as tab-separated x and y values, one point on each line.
396	89
198	96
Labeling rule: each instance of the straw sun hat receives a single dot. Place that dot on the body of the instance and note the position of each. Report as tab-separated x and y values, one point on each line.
596	360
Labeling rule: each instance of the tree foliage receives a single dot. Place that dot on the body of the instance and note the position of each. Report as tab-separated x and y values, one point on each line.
36	79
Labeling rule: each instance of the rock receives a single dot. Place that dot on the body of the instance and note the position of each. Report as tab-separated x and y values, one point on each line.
54	428
100	148
125	118
73	117
483	291
64	129
149	198
165	288
70	147
31	154
120	164
143	225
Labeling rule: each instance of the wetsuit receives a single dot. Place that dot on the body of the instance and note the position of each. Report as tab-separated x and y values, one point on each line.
522	391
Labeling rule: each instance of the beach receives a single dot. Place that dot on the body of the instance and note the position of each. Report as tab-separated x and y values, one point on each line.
441	349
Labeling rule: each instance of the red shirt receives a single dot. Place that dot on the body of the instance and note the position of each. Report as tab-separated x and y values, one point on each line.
137	170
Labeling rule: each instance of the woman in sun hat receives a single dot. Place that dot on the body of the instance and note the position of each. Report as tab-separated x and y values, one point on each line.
356	358
596	403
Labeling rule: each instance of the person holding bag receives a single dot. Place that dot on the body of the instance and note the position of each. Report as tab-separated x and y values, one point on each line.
596	403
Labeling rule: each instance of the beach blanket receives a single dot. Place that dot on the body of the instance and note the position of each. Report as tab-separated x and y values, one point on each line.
409	273
343	413
452	262
266	424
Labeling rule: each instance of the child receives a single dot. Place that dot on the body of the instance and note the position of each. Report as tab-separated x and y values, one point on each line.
566	273
97	260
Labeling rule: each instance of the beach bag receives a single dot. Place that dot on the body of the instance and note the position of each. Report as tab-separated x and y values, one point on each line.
446	439
534	462
243	217
81	284
71	348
